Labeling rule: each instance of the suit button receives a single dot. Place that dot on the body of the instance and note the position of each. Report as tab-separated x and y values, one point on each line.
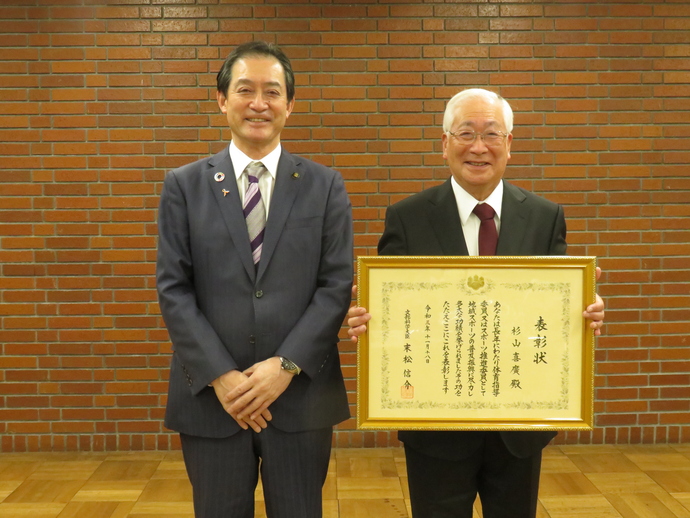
259	294
252	339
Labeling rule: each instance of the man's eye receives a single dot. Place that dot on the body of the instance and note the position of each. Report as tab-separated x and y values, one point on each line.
466	135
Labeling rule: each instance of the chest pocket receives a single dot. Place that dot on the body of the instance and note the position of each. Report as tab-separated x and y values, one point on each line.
311	221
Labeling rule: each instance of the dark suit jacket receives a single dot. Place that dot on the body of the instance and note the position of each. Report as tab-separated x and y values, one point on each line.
428	223
222	315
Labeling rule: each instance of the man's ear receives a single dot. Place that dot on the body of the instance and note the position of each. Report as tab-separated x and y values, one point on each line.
290	107
220	97
444	143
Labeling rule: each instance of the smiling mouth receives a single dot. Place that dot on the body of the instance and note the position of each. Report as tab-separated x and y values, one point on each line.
256	120
478	164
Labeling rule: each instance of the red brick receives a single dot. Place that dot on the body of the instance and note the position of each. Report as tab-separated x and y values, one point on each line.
601	127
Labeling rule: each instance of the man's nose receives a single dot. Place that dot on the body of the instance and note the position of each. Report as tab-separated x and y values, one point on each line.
259	102
478	146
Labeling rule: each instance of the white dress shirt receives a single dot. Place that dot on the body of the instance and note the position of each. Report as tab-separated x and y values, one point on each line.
470	221
267	181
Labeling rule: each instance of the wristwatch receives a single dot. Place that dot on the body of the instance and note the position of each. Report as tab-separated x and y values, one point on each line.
289	366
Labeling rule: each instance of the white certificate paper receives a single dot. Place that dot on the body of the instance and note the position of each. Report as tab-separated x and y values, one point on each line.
476	343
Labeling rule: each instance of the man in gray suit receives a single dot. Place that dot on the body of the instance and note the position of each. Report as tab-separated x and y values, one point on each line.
254	275
446	470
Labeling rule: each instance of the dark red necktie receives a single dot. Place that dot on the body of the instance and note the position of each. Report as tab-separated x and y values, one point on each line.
488	237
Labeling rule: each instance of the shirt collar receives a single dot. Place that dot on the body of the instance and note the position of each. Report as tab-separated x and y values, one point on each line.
240	161
466	202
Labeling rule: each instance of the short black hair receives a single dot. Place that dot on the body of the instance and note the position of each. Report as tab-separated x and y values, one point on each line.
256	48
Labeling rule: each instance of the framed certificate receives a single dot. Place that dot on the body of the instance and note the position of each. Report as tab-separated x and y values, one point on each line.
476	343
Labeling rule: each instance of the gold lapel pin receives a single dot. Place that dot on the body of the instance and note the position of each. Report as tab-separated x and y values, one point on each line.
225	193
295	175
219	177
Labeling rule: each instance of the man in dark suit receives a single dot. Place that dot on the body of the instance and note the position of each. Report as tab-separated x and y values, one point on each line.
446	470
254	276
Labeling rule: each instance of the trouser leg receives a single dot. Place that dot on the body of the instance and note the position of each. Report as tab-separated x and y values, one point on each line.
223	473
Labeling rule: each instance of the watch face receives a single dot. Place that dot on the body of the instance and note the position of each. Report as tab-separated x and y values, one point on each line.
287	365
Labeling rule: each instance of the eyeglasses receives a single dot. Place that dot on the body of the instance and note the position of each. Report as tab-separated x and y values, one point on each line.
490	138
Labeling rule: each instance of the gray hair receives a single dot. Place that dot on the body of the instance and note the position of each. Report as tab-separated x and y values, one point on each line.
449	114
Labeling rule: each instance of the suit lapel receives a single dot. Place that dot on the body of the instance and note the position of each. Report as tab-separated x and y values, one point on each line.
289	178
445	220
513	221
229	202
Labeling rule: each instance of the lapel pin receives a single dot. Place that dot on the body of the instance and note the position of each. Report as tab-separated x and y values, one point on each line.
225	193
219	177
295	175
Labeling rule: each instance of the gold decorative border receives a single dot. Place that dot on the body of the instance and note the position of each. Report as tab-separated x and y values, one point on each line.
581	419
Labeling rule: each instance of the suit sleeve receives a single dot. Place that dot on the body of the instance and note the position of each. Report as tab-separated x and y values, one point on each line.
197	345
314	336
393	240
558	244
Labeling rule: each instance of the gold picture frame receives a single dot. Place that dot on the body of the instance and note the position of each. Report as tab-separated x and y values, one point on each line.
476	343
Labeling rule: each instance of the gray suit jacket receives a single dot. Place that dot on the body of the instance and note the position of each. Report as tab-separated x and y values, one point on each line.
428	223
221	314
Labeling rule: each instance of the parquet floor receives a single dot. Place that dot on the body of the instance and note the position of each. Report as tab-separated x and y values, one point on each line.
577	482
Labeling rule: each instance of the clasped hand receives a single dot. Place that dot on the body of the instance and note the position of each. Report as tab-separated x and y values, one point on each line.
247	395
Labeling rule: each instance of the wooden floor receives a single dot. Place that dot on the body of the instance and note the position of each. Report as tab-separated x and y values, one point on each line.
576	482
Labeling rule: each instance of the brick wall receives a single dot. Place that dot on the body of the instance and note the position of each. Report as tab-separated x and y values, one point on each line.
99	99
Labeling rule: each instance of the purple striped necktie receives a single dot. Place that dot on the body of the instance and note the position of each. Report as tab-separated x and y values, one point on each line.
254	209
488	237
